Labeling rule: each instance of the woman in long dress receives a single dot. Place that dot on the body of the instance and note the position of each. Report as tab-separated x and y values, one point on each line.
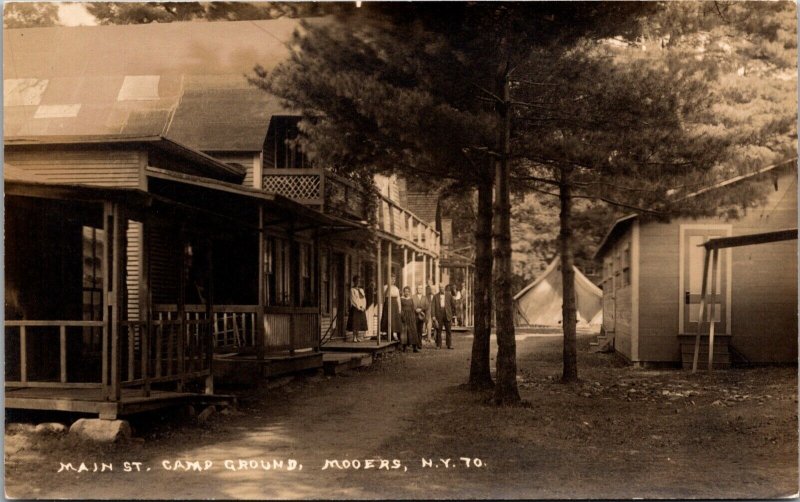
408	314
357	318
391	297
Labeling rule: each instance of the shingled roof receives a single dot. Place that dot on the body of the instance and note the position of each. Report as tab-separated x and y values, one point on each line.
185	81
424	205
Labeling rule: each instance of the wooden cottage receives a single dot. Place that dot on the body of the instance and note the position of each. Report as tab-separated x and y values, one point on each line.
126	259
276	298
652	279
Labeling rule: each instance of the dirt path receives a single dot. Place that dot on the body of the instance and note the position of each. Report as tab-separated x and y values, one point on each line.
620	433
341	418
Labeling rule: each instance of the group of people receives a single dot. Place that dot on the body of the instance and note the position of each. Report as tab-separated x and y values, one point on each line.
413	317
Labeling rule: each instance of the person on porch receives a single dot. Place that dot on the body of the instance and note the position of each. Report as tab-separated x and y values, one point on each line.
391	296
357	318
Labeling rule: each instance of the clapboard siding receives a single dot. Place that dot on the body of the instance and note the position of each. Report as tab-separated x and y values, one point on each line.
763	283
117	168
133	268
246	160
764	286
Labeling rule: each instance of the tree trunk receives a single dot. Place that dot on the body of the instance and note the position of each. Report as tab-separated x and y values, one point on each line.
480	376
505	389
568	307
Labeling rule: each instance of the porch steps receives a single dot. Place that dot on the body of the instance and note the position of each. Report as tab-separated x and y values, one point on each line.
722	351
602	343
334	363
237	369
368	346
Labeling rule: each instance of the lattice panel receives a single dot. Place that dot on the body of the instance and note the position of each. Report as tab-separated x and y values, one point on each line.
294	186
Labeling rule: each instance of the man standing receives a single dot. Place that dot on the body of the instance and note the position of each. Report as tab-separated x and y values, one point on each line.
422	307
442	309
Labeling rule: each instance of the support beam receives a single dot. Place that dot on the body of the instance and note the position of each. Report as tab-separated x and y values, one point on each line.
712	324
702	310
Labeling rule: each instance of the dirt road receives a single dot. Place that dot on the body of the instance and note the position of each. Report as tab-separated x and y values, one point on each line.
619	433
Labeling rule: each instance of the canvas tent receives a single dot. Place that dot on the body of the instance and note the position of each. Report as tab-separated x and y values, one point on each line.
539	303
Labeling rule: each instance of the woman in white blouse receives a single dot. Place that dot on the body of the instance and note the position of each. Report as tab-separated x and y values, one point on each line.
357	318
391	295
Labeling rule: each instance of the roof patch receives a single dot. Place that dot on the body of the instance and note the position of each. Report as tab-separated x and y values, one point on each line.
23	91
56	111
139	88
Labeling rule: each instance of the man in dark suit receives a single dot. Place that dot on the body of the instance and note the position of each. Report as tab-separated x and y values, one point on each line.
422	308
442	310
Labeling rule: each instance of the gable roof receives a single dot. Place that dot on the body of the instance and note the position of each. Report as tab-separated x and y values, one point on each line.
424	205
184	81
622	224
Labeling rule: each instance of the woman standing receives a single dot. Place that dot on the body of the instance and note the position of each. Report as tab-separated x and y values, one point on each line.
408	314
391	298
357	319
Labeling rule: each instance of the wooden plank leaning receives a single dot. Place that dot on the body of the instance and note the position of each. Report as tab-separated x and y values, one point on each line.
712	323
701	314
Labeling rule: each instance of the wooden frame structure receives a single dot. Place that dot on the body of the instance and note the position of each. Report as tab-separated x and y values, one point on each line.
711	254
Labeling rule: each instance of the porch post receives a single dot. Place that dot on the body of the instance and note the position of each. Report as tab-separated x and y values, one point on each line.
146	302
413	271
389	292
317	287
379	279
116	299
405	267
424	272
209	384
182	310
294	293
259	334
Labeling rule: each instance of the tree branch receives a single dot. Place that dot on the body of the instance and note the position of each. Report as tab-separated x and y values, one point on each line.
606	200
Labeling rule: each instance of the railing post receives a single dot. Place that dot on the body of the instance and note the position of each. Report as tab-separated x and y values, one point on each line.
23	354
62	335
292	326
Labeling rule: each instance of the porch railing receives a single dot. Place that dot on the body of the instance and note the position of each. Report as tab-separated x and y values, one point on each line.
161	351
235	327
22	375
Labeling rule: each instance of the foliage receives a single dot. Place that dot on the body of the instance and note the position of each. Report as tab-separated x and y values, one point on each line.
29	15
167	12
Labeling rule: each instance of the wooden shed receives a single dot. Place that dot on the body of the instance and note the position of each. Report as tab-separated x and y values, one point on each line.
652	277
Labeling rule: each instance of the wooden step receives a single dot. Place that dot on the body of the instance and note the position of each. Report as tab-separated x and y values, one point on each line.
334	363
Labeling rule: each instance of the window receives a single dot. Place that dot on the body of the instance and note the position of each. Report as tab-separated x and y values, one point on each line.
278	272
93	244
281	150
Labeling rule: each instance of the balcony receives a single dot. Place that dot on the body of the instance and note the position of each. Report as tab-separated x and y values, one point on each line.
339	196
